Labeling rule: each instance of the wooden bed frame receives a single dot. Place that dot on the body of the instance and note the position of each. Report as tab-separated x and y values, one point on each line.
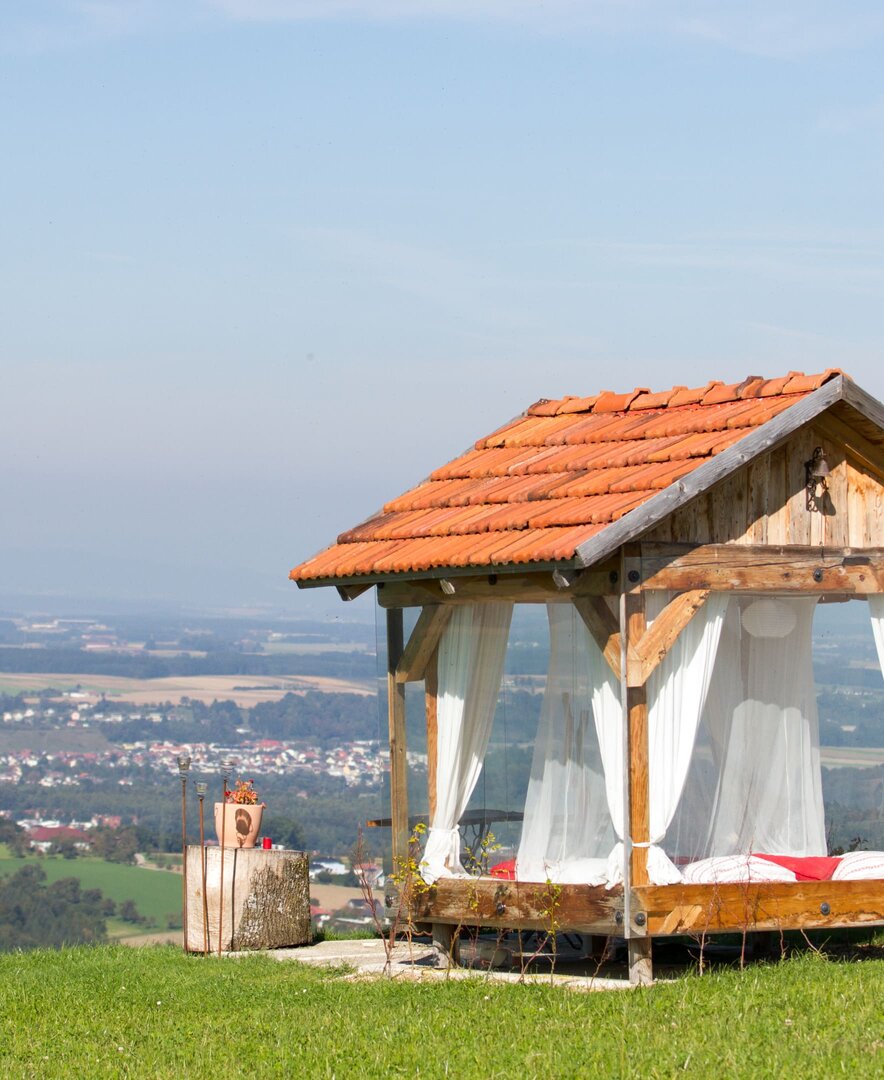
653	910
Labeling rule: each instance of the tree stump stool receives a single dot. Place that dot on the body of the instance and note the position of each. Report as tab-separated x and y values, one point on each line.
265	903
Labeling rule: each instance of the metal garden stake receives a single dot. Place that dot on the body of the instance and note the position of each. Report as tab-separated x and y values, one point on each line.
183	766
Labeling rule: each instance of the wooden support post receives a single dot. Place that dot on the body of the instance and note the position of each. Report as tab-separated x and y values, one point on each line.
431	690
641	964
443	938
445	945
398	759
633	625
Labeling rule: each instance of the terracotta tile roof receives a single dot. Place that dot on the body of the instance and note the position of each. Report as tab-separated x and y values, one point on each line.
541	485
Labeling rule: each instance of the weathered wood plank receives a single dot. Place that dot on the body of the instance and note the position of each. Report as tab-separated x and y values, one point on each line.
759	506
396	718
698	909
837	533
777	530
422	643
750	568
486	901
798	450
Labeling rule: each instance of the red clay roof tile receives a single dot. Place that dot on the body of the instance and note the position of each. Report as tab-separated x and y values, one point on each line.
803	384
547	481
610	402
543	407
655	401
692	397
577	405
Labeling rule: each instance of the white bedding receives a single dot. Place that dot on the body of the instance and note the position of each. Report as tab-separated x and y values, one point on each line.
860	866
739	868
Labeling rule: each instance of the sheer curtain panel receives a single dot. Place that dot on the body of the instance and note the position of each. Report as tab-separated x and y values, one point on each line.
567	833
876	611
770	795
471	658
677	691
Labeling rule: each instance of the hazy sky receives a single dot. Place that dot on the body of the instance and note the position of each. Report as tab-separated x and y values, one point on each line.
265	263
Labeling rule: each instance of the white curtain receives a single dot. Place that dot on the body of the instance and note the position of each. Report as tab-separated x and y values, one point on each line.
762	711
876	611
687	838
471	659
677	691
567	833
607	711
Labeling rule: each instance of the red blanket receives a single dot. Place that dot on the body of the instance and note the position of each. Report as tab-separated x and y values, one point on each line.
505	870
805	868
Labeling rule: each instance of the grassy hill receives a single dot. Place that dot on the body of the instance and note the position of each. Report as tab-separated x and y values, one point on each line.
157	1013
156	893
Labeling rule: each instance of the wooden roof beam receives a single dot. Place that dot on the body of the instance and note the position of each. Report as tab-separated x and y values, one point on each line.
763	568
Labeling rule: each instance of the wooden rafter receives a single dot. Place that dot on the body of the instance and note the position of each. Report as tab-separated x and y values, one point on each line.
527	587
867	455
422	644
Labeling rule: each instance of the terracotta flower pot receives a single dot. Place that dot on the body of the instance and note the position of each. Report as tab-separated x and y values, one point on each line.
242	826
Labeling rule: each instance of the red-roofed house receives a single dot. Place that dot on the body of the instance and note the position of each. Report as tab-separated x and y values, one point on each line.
680	541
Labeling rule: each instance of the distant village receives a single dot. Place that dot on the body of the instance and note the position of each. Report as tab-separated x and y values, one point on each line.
359	762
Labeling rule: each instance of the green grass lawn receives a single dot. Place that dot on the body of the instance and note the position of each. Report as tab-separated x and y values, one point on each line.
157	1013
155	892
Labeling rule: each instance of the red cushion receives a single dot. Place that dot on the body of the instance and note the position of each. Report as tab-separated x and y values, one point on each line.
806	867
505	870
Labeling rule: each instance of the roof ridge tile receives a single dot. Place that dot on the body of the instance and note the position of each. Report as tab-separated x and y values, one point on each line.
610	402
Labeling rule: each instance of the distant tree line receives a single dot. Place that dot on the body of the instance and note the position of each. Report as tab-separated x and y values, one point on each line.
68	661
36	915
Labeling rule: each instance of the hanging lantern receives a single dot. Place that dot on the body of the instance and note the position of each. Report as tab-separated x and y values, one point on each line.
768	618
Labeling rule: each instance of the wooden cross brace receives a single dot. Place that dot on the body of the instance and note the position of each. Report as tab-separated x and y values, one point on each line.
642	656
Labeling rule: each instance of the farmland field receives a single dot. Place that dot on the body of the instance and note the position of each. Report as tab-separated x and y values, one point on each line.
245	690
156	893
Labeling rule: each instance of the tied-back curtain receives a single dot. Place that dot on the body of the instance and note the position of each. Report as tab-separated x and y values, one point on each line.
471	659
566	833
769	795
876	611
677	691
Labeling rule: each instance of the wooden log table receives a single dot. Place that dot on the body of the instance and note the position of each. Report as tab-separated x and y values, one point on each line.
265	902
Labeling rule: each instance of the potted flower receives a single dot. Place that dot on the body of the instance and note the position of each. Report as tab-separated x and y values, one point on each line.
238	818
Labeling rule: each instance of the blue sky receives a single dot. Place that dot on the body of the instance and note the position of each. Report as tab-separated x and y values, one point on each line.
265	263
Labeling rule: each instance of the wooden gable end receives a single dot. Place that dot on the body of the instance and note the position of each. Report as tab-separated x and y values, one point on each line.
764	503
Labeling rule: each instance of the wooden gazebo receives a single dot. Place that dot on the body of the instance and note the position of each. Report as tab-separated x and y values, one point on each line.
767	487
